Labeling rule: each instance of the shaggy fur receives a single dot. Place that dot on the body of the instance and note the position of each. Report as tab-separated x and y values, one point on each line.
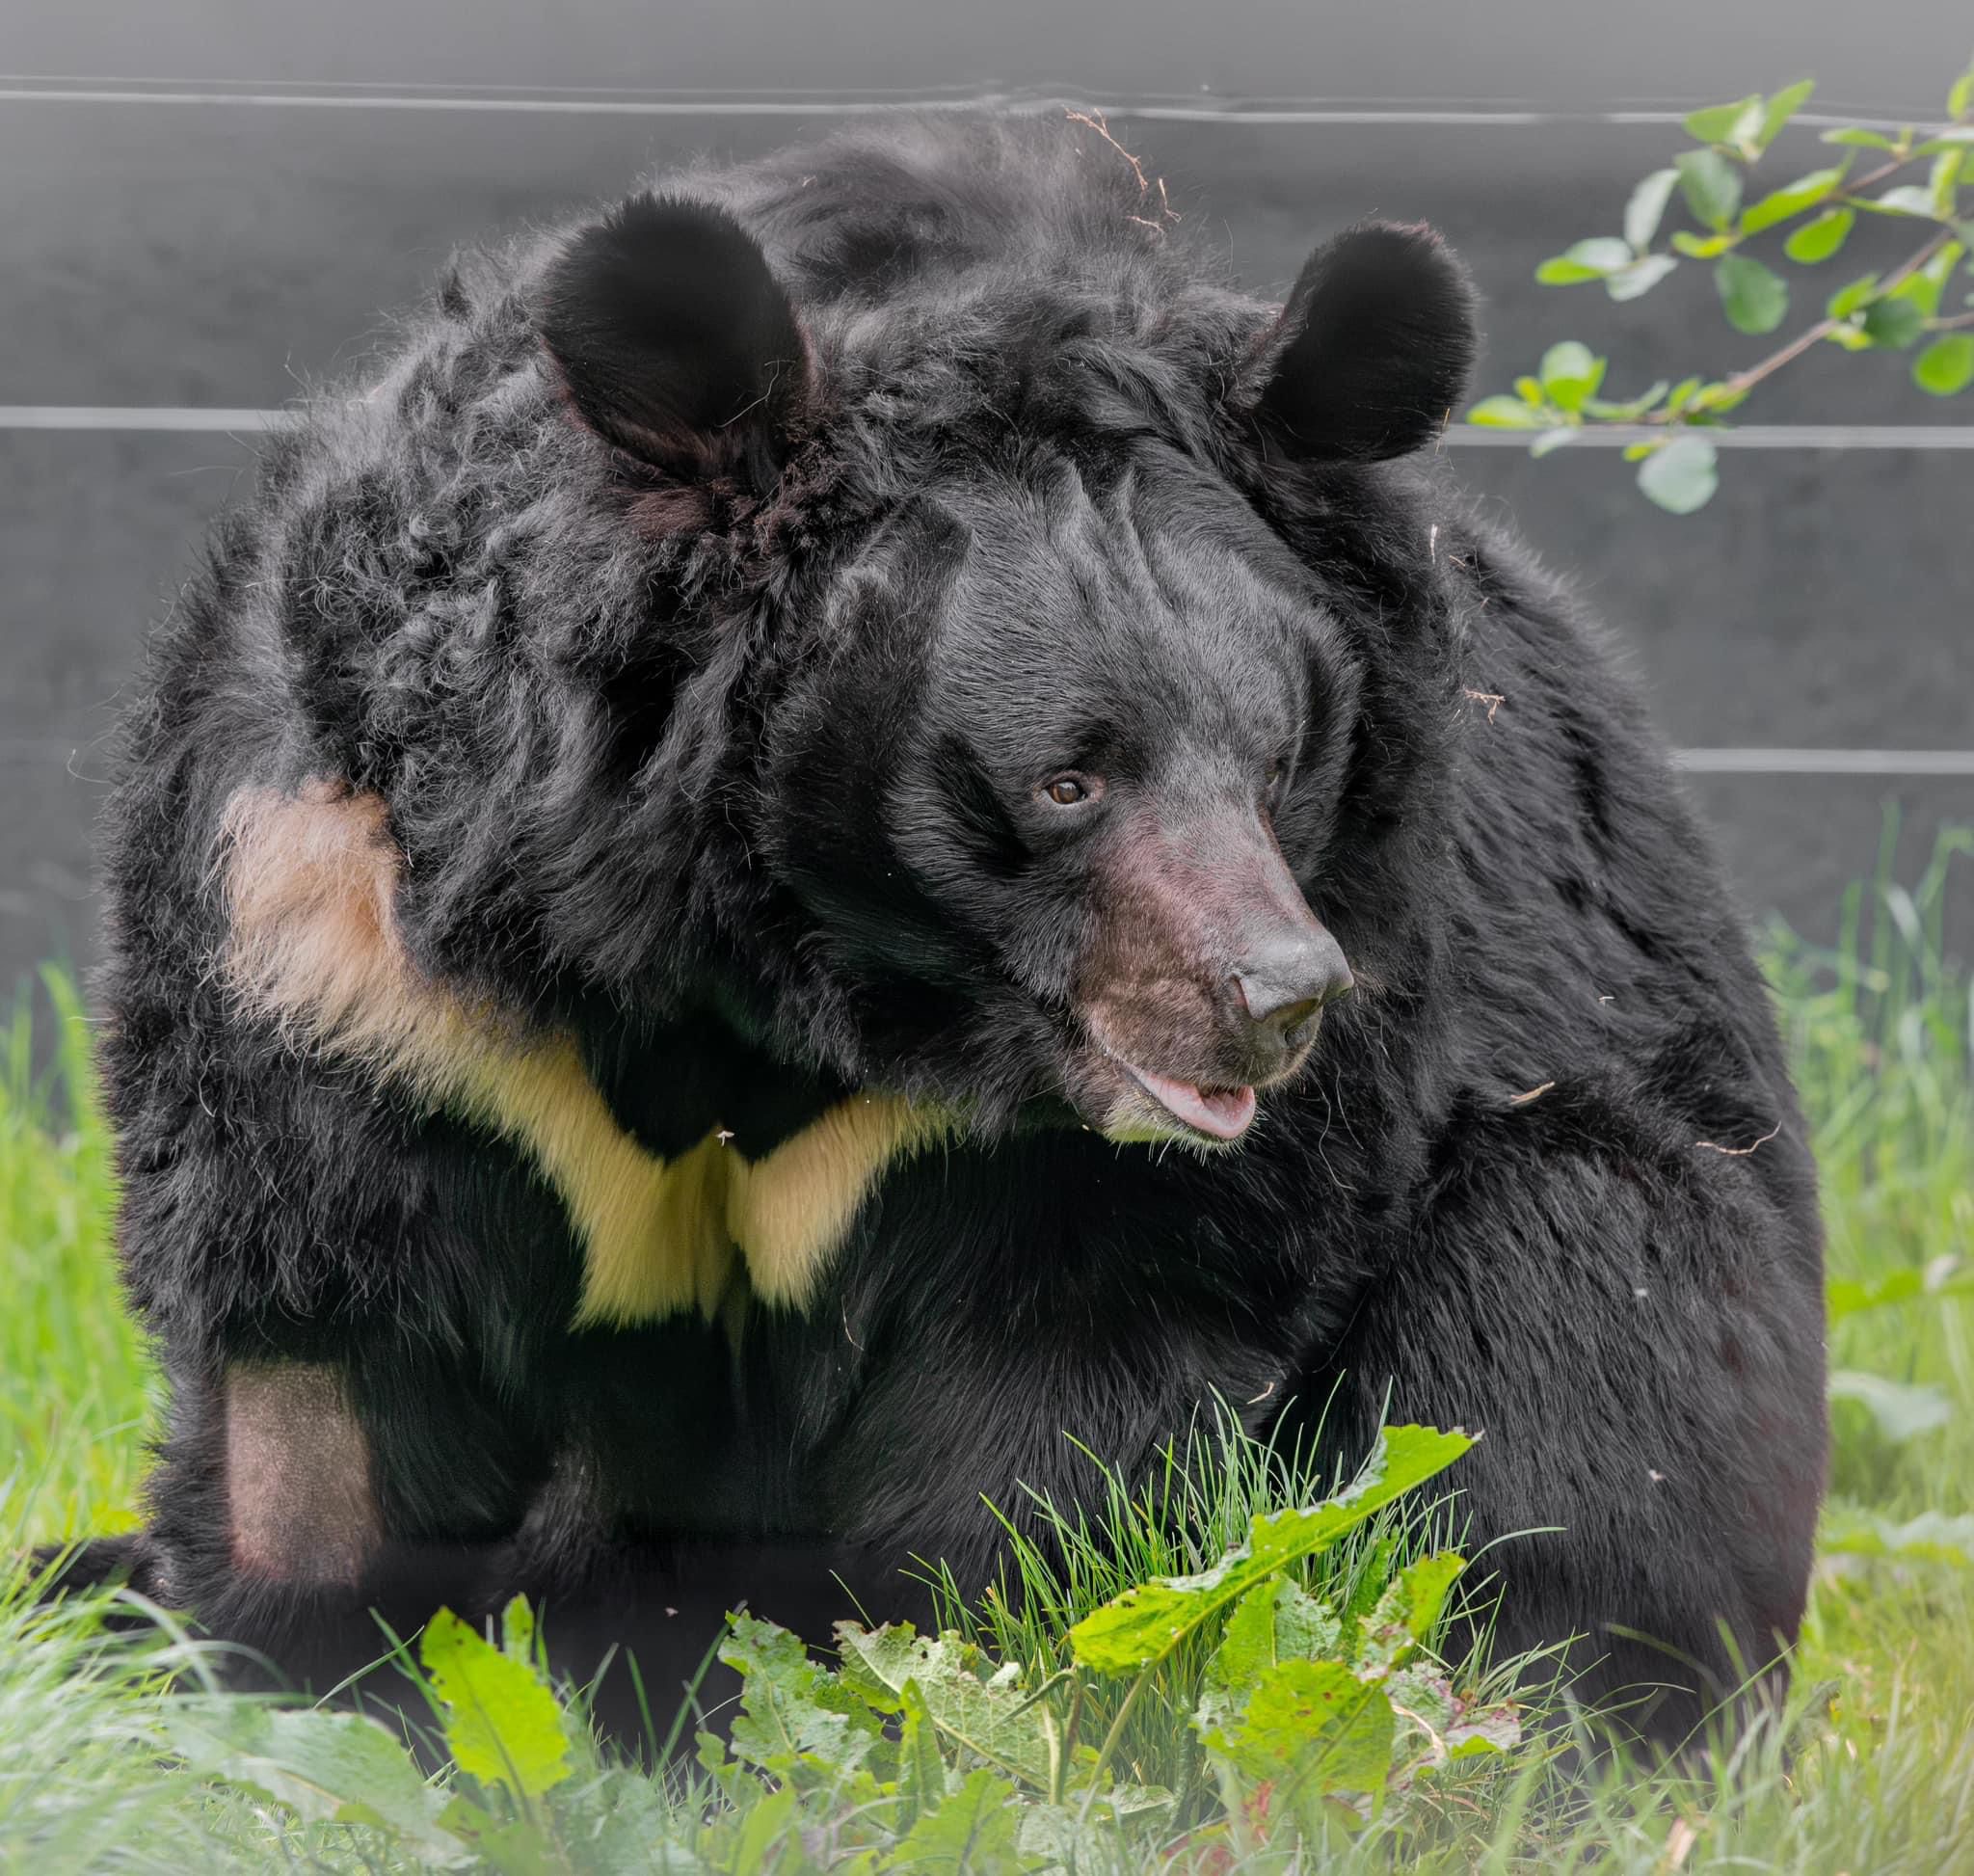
969	655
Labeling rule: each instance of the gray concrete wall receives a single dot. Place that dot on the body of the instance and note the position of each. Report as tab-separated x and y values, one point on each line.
217	255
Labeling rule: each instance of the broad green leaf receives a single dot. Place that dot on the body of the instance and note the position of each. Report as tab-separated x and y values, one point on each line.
1738	122
921	1771
1903	1411
1779	108
1570	372
1461	1728
1711	185
1944	368
971	1834
503	1726
1847	300
1248	1644
1894	323
758	1841
1273	1622
1145	1625
791	1711
1754	297
1305	1627
1312	1725
1640	277
1805	192
1820	239
1646	207
1702	247
1405	1614
1680	475
1960	98
981	1709
325	1767
1860	139
1478	1729
1505	413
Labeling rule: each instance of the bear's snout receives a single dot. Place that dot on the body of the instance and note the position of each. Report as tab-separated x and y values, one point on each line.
1207	980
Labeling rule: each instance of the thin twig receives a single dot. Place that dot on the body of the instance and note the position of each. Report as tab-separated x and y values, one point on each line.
1738	1152
1099	123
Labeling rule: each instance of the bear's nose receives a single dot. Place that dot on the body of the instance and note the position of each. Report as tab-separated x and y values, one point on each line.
1284	980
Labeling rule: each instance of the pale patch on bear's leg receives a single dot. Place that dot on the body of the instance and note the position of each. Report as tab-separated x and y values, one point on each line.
301	1507
312	883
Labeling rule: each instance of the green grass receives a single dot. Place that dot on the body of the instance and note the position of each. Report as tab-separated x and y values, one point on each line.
1871	1769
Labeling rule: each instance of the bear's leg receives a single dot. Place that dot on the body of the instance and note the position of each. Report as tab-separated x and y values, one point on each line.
1638	1339
298	1501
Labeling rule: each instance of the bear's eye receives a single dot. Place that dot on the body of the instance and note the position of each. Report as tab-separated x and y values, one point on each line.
1271	785
1066	791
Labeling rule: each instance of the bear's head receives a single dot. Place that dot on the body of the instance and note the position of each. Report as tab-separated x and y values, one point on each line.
1064	709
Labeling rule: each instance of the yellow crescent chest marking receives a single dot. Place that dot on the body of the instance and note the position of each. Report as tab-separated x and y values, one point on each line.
313	945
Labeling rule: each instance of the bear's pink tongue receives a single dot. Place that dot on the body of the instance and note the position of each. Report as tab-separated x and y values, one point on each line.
1223	1114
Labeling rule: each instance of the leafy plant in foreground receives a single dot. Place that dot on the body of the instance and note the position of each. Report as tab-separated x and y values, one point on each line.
921	1752
1924	177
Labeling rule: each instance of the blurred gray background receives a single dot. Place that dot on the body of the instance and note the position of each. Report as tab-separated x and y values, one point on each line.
208	203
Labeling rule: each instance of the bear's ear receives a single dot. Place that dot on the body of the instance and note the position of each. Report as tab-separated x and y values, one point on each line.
1373	349
675	340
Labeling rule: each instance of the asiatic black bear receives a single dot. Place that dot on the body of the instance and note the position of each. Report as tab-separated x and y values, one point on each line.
731	907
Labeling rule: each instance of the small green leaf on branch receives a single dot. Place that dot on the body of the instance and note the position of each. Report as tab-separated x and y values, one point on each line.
1754	297
1780	108
1894	322
1502	413
1847	300
1702	247
1586	260
1570	373
1946	366
1646	207
1805	192
1681	474
1910	199
1711	185
1640	277
1820	239
1737	124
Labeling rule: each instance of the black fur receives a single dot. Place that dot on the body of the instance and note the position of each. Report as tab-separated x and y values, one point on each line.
731	760
674	339
1373	347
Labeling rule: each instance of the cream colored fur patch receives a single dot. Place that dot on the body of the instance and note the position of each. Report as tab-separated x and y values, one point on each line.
300	1503
311	881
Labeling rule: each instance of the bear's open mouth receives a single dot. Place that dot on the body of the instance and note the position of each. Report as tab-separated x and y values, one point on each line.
1222	1114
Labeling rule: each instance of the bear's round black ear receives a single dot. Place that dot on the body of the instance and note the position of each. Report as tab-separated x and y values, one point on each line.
1373	349
674	339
